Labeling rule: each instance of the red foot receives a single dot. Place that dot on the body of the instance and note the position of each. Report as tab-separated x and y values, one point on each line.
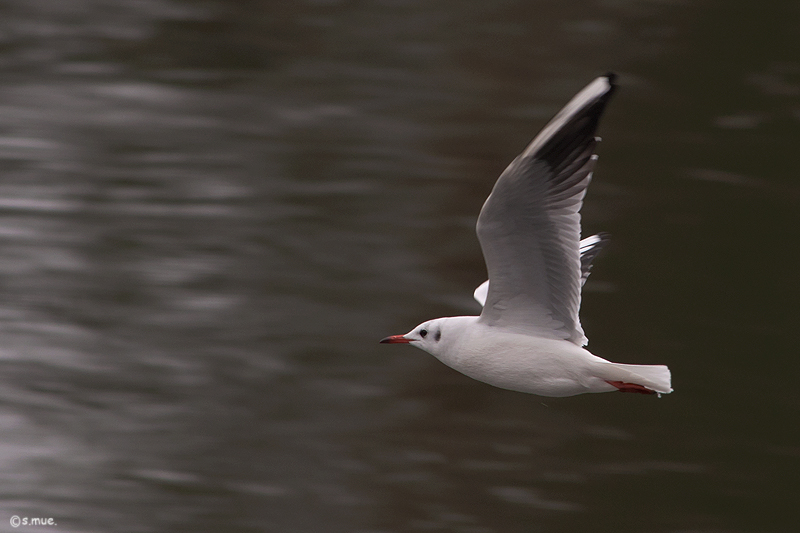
630	387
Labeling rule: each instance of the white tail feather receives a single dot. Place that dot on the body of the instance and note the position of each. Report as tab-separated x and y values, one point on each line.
655	377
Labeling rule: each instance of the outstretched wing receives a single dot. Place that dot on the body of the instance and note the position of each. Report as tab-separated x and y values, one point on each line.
529	227
589	248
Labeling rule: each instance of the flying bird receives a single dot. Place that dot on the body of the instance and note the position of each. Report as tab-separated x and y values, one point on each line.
528	337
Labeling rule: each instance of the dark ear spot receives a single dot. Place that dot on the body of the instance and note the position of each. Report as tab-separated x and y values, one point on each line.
438	335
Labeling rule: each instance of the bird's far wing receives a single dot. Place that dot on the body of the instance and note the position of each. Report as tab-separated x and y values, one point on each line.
481	292
529	227
589	248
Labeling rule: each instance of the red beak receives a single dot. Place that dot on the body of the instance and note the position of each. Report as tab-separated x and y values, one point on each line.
395	339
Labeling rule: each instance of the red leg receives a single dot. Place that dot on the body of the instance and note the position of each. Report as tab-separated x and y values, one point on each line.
630	387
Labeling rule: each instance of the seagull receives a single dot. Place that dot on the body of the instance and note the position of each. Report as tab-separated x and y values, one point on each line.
528	337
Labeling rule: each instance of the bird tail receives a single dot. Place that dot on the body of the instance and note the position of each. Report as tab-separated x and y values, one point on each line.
654	377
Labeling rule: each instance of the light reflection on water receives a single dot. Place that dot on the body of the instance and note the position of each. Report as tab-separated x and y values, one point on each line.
209	215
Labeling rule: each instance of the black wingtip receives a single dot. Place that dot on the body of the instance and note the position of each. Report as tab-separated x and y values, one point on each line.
611	76
604	236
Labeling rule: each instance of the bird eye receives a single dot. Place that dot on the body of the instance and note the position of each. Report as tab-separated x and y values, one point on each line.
423	332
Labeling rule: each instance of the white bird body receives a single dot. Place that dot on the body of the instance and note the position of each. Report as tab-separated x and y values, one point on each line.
528	337
515	361
528	363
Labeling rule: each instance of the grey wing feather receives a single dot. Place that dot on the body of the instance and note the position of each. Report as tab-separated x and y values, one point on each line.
589	248
529	227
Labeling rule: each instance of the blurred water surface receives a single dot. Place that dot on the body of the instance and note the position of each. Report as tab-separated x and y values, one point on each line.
210	212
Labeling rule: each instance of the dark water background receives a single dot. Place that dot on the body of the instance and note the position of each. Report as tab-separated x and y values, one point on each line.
211	211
